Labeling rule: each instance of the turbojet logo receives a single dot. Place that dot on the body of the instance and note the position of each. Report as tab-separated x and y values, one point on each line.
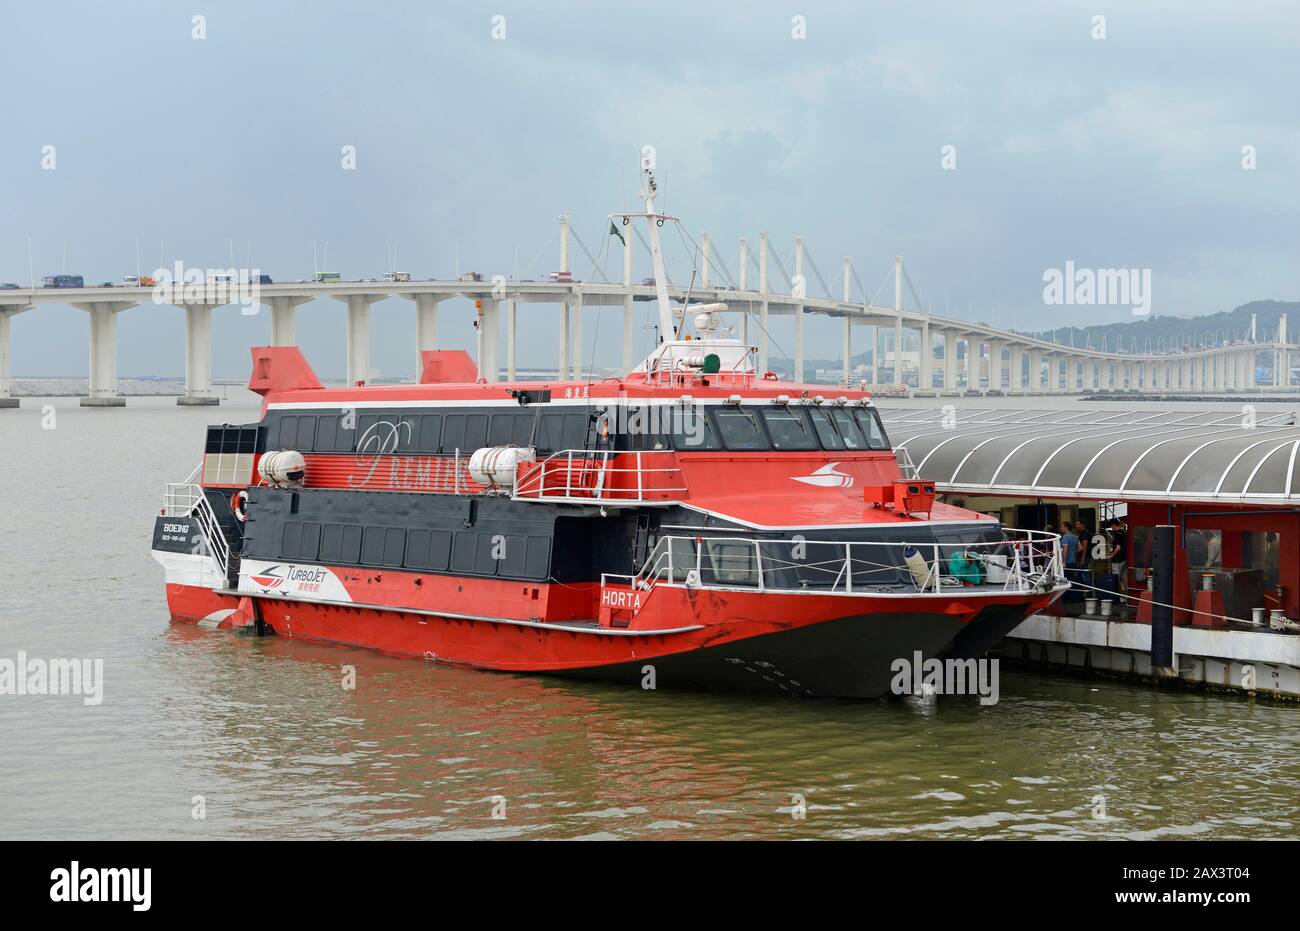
36	676
308	578
1121	286
945	677
215	286
827	477
88	884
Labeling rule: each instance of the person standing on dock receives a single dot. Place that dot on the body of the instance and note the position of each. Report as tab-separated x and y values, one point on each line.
1069	546
1118	548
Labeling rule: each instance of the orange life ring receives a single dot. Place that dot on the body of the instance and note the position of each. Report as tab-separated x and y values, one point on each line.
239	504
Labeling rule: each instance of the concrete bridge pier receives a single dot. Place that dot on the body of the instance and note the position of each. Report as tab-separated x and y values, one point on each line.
426	327
926	361
359	334
949	360
282	318
490	340
103	353
7	314
198	357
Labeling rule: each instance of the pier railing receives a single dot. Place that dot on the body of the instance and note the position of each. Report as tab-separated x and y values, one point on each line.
1026	561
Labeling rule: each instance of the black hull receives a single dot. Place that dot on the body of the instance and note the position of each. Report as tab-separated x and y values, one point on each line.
848	657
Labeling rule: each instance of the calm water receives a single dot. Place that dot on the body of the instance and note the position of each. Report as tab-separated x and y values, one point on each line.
264	732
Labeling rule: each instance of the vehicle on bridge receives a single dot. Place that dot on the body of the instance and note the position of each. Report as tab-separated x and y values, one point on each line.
326	276
8	286
397	276
63	281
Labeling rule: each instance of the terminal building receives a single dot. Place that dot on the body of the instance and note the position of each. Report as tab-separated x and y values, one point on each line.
1226	481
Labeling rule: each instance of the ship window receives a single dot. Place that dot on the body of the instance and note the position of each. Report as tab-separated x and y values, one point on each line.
430	433
394	545
351	554
453	433
306	441
538	559
476	428
502	429
515	556
289	540
730	562
327	434
872	427
558	432
523	430
691	429
739	429
331	543
408	434
849	430
463	552
287	433
309	544
372	547
490	546
383	546
788	428
826	431
428	549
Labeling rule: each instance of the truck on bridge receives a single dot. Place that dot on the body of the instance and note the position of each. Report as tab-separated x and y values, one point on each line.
63	281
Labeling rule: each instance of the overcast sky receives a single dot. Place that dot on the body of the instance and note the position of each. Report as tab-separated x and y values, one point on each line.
1117	152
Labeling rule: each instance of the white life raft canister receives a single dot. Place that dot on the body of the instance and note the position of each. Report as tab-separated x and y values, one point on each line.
497	465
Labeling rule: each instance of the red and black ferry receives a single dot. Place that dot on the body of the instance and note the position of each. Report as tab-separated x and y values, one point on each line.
693	521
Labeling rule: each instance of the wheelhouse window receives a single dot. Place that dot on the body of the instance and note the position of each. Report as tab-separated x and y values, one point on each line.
826	432
850	432
789	429
740	429
869	420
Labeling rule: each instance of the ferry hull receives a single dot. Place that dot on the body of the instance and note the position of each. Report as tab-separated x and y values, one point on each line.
821	652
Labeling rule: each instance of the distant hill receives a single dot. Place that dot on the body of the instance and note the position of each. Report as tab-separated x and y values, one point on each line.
1162	332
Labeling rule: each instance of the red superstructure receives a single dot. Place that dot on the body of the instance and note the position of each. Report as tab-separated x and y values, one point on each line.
709	527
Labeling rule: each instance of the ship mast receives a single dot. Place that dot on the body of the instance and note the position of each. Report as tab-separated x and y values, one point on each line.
667	330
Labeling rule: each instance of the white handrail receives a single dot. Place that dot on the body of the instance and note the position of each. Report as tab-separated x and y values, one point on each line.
1029	559
186	499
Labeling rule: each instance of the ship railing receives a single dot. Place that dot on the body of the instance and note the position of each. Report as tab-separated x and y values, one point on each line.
679	366
602	477
905	464
1026	561
186	499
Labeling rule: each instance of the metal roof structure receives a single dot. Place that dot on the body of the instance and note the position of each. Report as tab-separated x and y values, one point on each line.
1201	456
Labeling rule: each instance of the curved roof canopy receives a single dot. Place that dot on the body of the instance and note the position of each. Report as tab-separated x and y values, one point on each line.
1211	456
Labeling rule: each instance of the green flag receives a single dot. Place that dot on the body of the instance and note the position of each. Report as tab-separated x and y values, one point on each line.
615	231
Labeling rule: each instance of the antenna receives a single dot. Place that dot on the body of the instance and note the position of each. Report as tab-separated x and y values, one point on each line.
653	221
